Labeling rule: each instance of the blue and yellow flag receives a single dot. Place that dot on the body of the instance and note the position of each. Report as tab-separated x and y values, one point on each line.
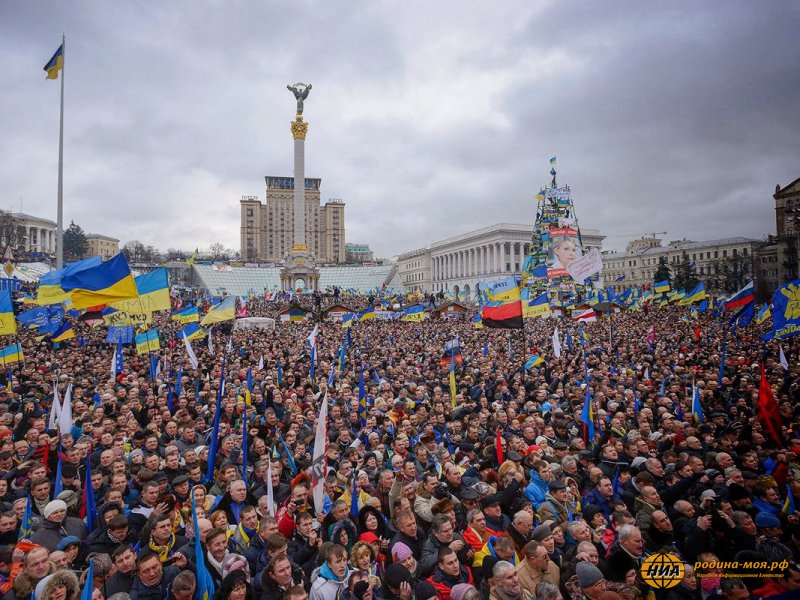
190	314
64	333
205	584
153	288
764	313
414	314
452	380
698	294
537	307
697	409
224	311
192	332
661	286
477	322
147	342
587	416
50	291
8	324
788	505
533	361
105	283
348	320
55	64
26	526
367	314
11	354
362	398
503	290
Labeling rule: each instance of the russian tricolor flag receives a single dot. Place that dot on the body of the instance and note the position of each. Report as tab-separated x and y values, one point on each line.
741	298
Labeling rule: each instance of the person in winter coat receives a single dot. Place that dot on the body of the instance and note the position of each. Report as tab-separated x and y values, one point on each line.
408	533
687	588
115	533
536	490
396	585
448	573
441	536
51	586
278	577
332	578
502	548
304	543
35	567
152	578
57	525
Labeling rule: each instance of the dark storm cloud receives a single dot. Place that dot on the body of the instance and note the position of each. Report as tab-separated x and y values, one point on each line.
428	120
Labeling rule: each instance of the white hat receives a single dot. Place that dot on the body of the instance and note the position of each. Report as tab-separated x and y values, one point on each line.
53	506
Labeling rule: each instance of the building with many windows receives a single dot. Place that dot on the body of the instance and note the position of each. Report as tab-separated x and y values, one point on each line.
38	234
711	261
267	228
358	253
458	263
101	245
415	270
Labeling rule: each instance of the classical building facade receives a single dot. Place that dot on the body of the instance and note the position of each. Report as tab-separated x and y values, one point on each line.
458	263
639	263
39	234
102	245
787	226
415	270
267	228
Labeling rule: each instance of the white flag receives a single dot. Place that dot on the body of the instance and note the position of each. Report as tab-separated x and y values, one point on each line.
261	363
784	362
318	462
65	419
210	342
647	373
312	339
556	343
189	351
229	348
158	367
114	366
270	495
55	410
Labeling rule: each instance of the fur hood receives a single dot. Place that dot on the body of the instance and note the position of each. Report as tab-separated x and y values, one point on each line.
24	585
45	589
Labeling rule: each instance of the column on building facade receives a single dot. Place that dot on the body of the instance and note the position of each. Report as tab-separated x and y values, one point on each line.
470	258
480	259
497	257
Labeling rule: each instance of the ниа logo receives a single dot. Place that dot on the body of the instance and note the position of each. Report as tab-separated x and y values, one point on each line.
662	570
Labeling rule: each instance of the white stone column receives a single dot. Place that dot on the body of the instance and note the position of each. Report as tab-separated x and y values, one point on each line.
499	256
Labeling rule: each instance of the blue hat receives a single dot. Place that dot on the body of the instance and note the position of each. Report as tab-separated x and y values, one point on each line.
764	520
67	542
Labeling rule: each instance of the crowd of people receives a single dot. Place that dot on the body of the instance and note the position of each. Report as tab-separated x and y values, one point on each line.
499	494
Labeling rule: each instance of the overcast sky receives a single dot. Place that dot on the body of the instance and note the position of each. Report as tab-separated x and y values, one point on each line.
428	119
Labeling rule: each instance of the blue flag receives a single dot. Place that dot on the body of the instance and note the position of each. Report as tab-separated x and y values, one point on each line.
88	590
213	446
58	485
88	494
26	526
354	498
290	460
170	404
245	452
205	584
178	382
332	376
280	373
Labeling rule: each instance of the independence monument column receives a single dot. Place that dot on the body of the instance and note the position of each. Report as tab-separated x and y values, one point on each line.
300	271
299	131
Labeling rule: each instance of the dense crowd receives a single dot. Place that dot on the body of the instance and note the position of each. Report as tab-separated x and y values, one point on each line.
503	496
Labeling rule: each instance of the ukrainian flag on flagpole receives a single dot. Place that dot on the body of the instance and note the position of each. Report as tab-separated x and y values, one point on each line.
105	283
55	64
190	314
11	354
192	332
453	380
153	290
64	333
533	361
8	324
224	311
367	314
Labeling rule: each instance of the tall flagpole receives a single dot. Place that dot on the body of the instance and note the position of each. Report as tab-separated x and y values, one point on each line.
60	217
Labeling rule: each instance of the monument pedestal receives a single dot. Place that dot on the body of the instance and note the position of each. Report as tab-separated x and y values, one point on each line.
300	271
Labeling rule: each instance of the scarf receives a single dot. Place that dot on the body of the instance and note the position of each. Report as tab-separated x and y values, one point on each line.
247	533
504	595
214	563
115	540
162	551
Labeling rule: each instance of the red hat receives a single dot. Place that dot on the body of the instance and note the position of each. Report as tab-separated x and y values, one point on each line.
369	537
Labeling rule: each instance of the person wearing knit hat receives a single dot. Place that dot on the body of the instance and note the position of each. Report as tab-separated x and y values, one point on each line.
396	579
424	591
462	591
402	554
57	525
590	579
